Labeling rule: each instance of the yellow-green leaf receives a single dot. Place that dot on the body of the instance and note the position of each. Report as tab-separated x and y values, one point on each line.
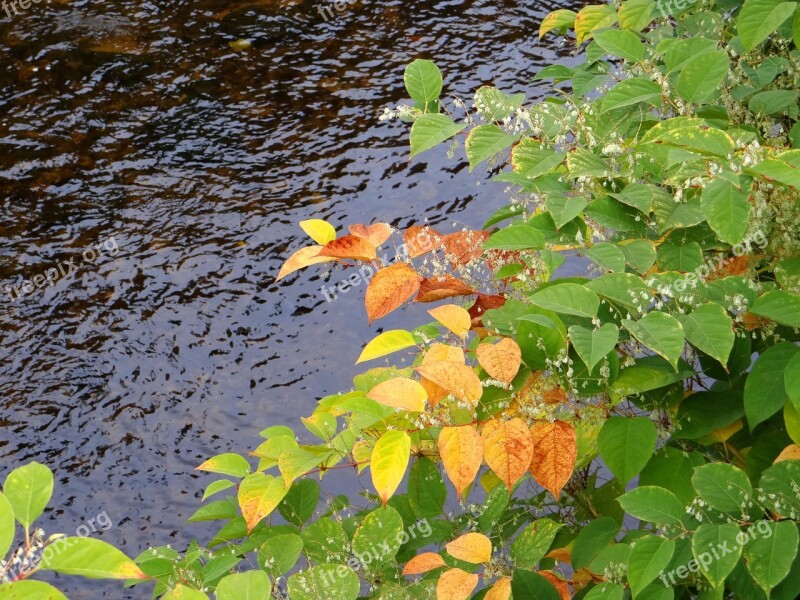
318	230
259	495
386	343
389	461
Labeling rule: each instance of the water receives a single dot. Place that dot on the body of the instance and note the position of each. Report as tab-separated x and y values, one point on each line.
138	121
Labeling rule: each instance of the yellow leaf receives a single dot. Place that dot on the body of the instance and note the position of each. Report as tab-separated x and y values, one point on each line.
361	453
301	259
443	352
455	584
389	289
489	481
455	318
350	246
721	435
791	452
386	343
400	392
427	561
475	548
507	448
501	360
318	230
457	378
182	592
501	590
555	450
461	452
259	494
389	461
295	462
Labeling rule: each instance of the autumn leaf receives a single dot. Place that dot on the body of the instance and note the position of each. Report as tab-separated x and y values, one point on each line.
791	452
440	287
457	378
455	584
400	392
501	590
258	496
461	451
318	230
389	289
501	360
483	303
455	318
427	561
301	259
420	240
443	353
558	583
350	246
389	461
464	246
555	450
508	449
375	234
474	548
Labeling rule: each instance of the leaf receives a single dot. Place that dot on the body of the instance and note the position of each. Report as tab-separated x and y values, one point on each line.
28	489
423	81
422	563
507	449
430	130
764	388
608	256
635	15
769	557
791	380
500	590
455	584
455	377
593	538
710	329
386	343
233	465
702	75
520	236
7	525
716	551
301	259
660	332
555	451
484	141
631	91
653	504
376	234
774	170
531	159
419	240
182	592
624	44
296	462
723	486
590	18
250	585
258	496
779	306
453	317
593	345
558	19
525	585
298	506
649	556
28	589
280	553
389	289
388	462
759	18
461	451
533	543
473	547
318	230
726	209
438	288
426	490
350	247
564	208
400	392
501	360
378	537
626	445
329	581
773	102
568	299
494	105
90	558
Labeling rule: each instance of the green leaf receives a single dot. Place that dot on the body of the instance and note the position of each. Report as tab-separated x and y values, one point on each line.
640	196
568	299
723	487
672	468
423	81
593	345
89	557
702	75
773	102
624	44
653	504
494	105
484	141
696	138
529	158
533	543
430	130
426	490
726	209
769	556
709	329
387	343
299	504
635	15
584	163
563	207
28	589
7	525
608	256
649	555
329	581
591	539
182	592
660	332
791	380
519	236
791	417
324	538
780	171
250	585
606	591
759	18
28	489
525	584
280	553
233	465
779	306
649	373
779	484
682	258
716	551
626	445
704	412
381	529
624	289
764	390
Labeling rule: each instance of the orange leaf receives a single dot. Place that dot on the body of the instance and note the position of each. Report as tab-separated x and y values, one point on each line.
555	449
457	378
455	318
301	259
421	240
561	554
455	584
501	590
558	583
443	352
400	392
441	287
791	452
484	303
350	246
475	548
464	246
508	449
389	288
461	452
501	360
427	561
375	234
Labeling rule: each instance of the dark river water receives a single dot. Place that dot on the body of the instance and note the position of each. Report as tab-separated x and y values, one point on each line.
135	126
